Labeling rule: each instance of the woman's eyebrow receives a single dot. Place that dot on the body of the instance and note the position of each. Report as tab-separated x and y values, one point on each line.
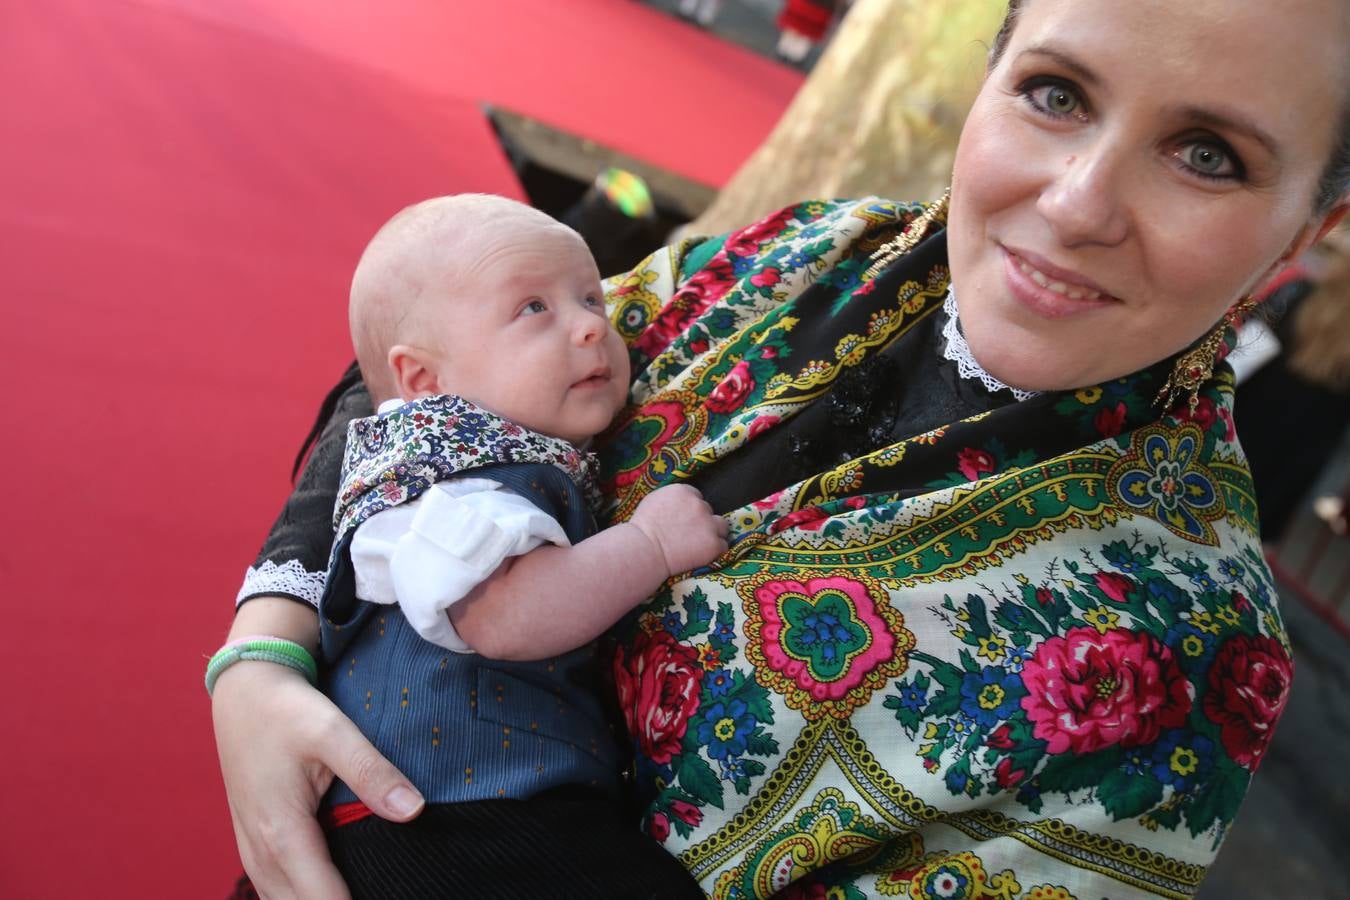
1065	60
1231	121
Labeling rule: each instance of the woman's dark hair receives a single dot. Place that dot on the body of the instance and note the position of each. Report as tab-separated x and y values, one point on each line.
1335	179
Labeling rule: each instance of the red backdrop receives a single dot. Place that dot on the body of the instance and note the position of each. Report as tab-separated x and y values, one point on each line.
184	188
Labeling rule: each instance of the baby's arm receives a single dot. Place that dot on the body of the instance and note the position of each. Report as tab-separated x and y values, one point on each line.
555	599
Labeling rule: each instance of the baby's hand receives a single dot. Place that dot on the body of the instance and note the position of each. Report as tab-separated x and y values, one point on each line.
682	525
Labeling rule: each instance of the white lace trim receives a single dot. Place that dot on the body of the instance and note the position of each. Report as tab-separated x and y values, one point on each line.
958	351
288	578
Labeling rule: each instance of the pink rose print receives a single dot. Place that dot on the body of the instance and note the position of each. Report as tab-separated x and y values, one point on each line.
1204	416
810	518
1006	775
1116	586
693	298
766	277
974	463
768	502
746	241
664	329
659	827
760	425
735	386
1001	738
658	684
1110	422
1086	691
1248	687
686	812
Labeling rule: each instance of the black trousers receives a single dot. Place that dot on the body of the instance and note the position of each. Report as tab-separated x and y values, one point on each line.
563	844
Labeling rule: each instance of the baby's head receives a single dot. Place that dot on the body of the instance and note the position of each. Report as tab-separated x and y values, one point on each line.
493	301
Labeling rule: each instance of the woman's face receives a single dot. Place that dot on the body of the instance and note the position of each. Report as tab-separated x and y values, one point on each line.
1130	170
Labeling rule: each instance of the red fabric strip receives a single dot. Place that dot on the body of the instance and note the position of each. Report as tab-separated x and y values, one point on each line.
346	814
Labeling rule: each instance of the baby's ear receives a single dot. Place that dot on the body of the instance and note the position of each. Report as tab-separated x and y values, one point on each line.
413	371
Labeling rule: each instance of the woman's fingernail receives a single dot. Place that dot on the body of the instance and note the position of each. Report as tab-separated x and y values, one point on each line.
403	801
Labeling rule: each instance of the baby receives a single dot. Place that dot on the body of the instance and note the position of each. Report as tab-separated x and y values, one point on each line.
468	583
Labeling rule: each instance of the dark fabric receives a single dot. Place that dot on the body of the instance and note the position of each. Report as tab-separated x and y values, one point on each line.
564	844
351	377
304	530
907	389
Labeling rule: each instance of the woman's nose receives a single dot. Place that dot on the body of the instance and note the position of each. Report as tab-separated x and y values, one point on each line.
1083	203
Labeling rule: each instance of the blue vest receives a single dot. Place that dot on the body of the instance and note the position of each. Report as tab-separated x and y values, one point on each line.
460	726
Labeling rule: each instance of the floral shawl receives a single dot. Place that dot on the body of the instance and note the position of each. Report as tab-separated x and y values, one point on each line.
1031	654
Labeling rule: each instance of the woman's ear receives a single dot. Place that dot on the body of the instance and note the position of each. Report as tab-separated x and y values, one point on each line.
1316	231
1337	215
1332	219
1311	234
414	372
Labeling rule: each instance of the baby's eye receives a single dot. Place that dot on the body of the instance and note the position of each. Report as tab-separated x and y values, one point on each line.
594	301
534	306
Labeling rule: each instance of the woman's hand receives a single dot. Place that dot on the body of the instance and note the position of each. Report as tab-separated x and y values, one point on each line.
281	742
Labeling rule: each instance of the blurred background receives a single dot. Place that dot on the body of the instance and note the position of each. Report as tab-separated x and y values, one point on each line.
186	187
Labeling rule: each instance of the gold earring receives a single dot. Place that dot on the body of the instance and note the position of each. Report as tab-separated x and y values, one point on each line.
1196	366
904	242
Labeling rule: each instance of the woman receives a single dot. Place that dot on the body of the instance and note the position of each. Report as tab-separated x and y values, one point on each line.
996	622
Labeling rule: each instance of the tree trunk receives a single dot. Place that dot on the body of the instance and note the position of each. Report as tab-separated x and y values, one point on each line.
880	114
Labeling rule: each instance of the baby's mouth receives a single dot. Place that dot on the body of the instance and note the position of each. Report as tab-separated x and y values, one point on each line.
595	379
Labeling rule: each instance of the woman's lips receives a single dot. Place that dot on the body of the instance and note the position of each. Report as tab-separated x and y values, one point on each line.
1049	290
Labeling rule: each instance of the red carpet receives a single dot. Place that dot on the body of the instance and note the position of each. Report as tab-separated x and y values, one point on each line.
186	186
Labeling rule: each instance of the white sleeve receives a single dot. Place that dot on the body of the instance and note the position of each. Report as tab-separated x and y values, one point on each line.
428	554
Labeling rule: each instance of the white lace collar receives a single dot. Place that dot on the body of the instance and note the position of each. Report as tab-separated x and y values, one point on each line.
958	351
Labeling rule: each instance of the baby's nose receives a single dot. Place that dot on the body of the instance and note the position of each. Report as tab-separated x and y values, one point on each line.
589	327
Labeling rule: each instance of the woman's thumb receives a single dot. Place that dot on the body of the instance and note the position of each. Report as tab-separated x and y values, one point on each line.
374	779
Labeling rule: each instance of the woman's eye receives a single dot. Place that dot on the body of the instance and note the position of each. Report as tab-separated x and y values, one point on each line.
1054	98
1209	159
534	306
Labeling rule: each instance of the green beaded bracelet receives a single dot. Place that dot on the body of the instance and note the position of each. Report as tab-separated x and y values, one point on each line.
261	647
